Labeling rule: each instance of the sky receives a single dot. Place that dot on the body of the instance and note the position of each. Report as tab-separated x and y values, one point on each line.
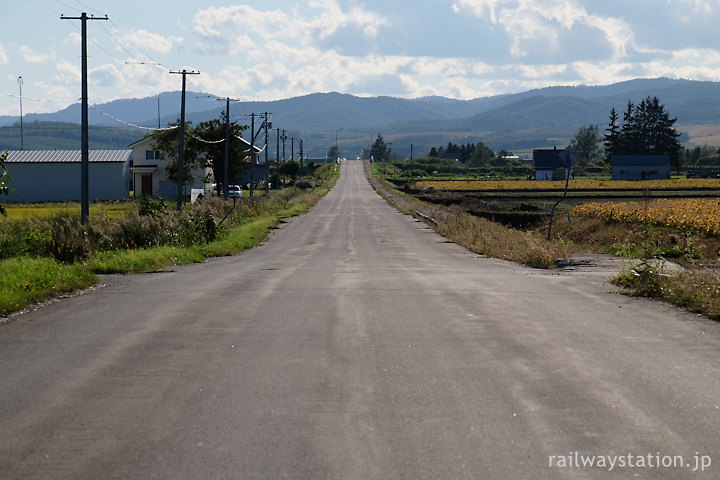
269	50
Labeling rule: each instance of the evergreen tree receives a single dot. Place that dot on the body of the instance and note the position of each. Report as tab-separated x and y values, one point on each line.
334	153
380	151
630	132
433	152
612	137
647	130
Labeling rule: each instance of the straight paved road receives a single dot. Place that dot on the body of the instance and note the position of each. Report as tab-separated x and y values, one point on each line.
357	344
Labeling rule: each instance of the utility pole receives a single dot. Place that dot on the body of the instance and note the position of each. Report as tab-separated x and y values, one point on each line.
301	157
277	159
181	139
84	143
284	137
292	148
252	153
226	164
411	162
22	143
267	160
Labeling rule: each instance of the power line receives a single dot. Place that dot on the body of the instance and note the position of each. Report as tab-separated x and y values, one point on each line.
44	7
88	7
133	44
132	124
64	4
38	99
203	140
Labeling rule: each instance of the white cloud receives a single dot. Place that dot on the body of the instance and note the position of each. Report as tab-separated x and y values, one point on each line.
151	41
105	76
3	55
33	57
67	74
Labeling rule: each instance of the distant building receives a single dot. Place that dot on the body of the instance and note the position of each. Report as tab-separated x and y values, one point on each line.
55	175
553	164
150	178
640	167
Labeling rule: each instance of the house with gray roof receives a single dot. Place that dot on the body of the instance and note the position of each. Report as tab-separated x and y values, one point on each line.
553	164
55	176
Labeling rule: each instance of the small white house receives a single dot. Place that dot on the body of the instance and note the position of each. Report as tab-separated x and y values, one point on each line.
55	175
149	177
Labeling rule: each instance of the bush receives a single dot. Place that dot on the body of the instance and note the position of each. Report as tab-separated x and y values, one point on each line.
304	184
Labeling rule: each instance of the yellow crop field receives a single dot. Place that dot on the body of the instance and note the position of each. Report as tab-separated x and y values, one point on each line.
696	214
678	183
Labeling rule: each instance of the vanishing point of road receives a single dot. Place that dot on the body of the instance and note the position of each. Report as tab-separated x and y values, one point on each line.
356	343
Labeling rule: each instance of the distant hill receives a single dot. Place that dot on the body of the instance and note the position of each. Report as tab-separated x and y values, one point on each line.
63	135
514	121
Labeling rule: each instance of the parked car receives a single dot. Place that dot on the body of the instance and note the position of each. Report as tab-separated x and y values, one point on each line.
234	191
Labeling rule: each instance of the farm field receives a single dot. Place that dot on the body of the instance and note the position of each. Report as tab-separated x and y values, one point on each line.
574	185
21	211
693	214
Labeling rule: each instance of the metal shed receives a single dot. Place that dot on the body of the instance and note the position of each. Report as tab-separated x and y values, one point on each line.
54	175
640	167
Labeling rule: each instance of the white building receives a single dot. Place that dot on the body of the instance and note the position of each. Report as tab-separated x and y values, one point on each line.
148	173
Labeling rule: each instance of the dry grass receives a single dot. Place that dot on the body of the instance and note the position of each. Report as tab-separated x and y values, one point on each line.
477	234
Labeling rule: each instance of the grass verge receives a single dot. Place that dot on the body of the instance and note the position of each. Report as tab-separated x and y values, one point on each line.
26	280
477	234
695	288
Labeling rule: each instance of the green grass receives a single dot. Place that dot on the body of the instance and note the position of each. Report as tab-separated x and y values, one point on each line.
26	280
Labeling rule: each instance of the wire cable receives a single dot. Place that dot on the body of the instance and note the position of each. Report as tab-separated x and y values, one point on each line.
39	99
132	124
204	141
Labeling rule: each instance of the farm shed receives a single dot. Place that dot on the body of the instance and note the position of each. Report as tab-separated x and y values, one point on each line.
55	176
640	167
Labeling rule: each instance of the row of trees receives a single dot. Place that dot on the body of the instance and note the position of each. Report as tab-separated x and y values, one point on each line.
474	155
647	129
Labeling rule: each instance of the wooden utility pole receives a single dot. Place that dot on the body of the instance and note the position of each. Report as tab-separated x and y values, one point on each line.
84	142
226	165
181	139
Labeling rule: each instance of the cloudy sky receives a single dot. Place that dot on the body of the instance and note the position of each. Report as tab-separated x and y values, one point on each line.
265	50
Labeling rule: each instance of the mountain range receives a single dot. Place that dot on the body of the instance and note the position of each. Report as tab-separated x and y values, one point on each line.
520	121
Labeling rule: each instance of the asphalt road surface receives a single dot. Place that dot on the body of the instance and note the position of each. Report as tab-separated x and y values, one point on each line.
358	344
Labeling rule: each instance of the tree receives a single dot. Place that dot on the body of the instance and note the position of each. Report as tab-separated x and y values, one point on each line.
586	144
289	168
481	156
433	152
647	130
5	179
380	151
166	141
334	153
612	137
209	138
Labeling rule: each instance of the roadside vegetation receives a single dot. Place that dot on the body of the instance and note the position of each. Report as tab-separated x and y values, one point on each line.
509	219
51	252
